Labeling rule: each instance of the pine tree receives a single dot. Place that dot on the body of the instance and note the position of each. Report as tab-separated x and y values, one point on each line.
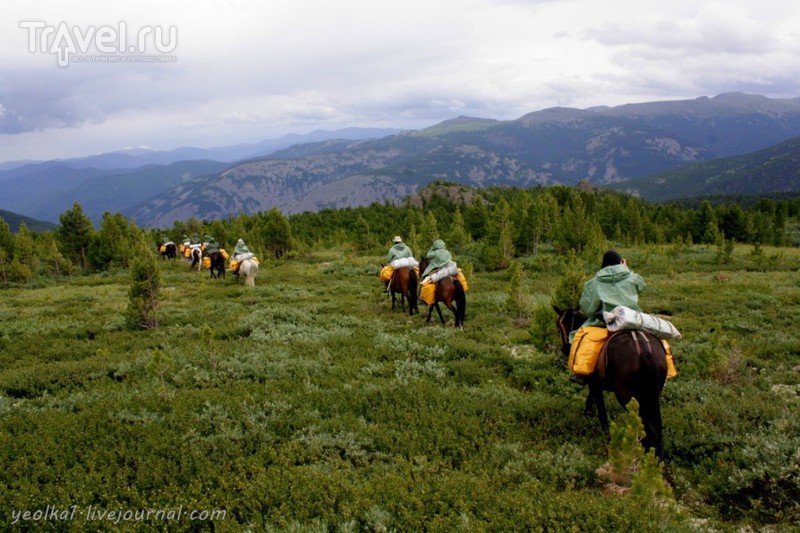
6	239
516	304
55	263
568	289
429	231
277	233
75	235
24	249
143	295
110	246
458	237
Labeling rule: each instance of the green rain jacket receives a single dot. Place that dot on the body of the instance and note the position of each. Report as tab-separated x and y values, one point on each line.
398	251
211	246
241	248
612	286
438	257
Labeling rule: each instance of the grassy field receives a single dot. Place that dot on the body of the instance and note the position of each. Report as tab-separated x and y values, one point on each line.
306	404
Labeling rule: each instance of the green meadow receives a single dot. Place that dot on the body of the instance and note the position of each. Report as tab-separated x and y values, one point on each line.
306	404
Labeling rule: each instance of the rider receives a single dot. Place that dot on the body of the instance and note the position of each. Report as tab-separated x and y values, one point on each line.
613	285
211	245
399	250
438	257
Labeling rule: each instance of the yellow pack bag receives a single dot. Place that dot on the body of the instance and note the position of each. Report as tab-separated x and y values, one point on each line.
224	254
463	279
671	370
427	292
386	273
585	349
206	262
234	264
162	248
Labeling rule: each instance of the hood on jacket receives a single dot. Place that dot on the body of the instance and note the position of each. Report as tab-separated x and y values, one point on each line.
613	273
438	244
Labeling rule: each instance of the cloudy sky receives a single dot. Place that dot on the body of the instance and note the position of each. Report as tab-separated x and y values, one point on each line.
247	70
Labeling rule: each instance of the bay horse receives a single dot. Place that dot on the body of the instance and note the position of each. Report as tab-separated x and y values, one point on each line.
635	367
170	251
217	267
448	290
404	282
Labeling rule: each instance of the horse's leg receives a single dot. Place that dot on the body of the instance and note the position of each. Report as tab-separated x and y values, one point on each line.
403	302
430	312
438	310
651	420
596	390
452	308
393	300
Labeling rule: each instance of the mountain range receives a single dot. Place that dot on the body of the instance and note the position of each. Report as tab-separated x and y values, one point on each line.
644	148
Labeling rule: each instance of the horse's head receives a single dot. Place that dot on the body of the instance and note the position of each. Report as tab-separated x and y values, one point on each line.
568	320
423	264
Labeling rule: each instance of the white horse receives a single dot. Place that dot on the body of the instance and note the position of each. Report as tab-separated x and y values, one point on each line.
249	269
197	259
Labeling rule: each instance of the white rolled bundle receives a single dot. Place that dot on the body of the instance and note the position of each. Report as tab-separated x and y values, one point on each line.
622	317
405	262
450	269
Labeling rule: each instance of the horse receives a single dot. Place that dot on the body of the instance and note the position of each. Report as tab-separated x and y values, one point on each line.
170	251
197	259
404	282
448	290
217	267
635	367
249	268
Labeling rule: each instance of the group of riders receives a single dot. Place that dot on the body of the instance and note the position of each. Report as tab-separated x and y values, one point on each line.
207	247
612	286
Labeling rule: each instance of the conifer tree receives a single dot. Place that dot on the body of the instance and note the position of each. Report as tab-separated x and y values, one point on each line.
54	263
143	297
75	235
110	246
429	232
458	236
24	249
6	239
277	233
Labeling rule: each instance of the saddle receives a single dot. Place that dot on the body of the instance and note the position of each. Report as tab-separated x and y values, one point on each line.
589	350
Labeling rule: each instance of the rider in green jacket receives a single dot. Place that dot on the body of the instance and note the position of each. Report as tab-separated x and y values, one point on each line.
398	251
613	285
438	257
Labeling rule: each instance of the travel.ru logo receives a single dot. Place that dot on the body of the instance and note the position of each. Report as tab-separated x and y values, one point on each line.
110	43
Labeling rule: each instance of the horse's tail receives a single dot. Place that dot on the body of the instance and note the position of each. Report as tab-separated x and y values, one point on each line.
461	302
651	383
413	282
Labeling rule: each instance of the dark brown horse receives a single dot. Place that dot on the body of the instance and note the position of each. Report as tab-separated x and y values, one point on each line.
170	251
217	267
448	291
404	282
635	367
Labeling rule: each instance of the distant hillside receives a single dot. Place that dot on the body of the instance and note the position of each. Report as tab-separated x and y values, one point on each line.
48	191
604	145
15	219
764	172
